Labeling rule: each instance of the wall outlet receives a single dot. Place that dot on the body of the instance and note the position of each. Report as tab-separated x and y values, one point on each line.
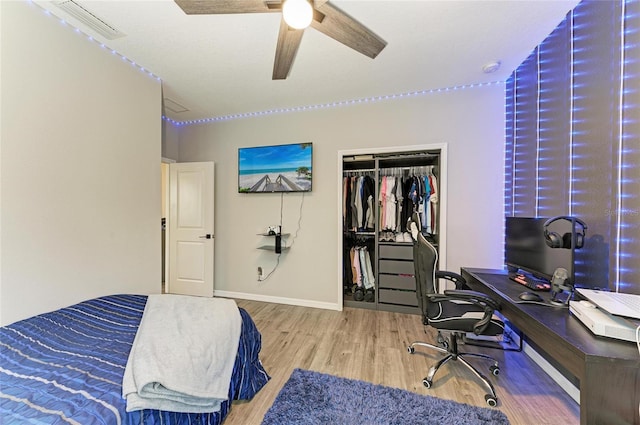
259	273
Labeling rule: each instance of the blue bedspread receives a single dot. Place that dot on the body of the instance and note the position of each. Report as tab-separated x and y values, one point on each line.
66	366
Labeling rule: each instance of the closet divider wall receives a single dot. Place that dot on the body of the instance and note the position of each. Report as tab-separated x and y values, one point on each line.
380	192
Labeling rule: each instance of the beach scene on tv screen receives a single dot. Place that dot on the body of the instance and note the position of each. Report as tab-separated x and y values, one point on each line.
283	168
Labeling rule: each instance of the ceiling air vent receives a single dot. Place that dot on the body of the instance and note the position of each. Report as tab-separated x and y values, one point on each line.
98	25
173	106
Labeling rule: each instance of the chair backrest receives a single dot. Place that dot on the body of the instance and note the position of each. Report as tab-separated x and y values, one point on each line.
425	258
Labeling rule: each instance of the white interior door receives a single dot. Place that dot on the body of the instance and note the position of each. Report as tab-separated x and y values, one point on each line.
191	231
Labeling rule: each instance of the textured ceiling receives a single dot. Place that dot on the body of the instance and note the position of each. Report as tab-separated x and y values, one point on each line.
219	65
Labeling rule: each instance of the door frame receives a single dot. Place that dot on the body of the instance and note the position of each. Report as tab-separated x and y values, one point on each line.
165	196
442	200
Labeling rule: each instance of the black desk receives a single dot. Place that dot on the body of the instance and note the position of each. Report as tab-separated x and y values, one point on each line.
608	369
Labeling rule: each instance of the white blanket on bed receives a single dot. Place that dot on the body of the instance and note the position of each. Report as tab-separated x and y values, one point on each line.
182	357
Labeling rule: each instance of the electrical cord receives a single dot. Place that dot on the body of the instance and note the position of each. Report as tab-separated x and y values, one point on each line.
262	279
295	235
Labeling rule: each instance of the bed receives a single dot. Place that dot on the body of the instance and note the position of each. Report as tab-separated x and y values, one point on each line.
67	366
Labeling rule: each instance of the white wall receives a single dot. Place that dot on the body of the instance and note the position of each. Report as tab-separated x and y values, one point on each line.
470	121
80	175
170	139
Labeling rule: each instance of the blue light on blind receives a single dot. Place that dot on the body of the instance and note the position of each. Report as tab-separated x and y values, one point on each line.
509	148
628	210
584	115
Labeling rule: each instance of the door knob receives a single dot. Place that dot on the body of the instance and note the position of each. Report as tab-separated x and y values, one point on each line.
207	236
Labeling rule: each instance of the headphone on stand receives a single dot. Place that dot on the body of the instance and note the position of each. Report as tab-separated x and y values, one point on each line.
554	240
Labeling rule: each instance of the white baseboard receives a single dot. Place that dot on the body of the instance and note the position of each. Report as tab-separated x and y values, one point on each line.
564	383
277	300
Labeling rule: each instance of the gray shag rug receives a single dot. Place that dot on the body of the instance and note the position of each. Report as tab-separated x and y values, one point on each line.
316	398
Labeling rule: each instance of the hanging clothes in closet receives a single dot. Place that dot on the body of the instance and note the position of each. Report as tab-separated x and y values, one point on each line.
358	271
403	191
362	270
390	194
390	201
429	209
358	197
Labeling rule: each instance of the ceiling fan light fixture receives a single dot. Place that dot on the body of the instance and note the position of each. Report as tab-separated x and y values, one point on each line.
297	13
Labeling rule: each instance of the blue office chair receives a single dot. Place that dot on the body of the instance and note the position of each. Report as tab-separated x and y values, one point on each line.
453	313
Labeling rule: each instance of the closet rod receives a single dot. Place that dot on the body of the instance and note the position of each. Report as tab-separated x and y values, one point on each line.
421	169
399	168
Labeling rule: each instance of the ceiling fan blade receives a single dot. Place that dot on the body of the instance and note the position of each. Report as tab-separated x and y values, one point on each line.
288	42
343	28
207	7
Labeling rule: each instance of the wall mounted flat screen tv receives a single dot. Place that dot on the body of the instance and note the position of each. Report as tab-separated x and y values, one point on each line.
525	248
280	168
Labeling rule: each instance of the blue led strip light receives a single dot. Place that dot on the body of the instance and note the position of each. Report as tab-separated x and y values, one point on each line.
342	103
571	86
537	204
93	40
627	257
515	146
509	93
619	205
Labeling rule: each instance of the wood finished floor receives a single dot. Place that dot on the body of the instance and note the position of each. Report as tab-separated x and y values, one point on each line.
372	346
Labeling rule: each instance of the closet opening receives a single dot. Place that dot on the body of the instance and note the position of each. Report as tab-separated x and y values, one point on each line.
379	190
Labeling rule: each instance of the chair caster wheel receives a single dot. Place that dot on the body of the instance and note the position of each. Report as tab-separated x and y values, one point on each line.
495	370
442	341
491	400
426	382
411	350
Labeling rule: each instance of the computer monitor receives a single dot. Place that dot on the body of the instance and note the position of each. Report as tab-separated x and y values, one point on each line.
525	248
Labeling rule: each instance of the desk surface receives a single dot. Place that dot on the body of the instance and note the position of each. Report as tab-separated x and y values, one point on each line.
557	320
608	369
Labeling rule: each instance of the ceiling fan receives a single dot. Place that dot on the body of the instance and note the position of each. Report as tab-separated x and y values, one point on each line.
326	18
